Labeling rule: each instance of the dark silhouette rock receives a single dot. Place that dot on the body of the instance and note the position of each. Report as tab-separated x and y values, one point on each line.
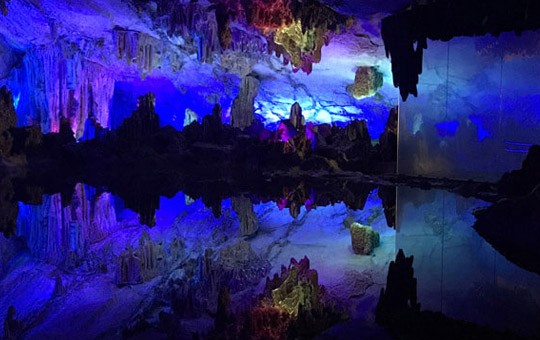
143	122
8	120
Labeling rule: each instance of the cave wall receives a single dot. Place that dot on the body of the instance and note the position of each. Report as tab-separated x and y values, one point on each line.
477	110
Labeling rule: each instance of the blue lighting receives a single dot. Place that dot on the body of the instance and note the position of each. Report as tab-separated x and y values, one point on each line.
482	132
171	103
447	129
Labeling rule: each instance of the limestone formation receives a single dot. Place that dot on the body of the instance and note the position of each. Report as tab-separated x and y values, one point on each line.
143	122
151	255
297	289
364	238
242	107
212	125
296	118
249	222
129	268
190	117
388	139
358	131
399	297
238	266
367	81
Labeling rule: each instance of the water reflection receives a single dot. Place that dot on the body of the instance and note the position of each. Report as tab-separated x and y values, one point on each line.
86	266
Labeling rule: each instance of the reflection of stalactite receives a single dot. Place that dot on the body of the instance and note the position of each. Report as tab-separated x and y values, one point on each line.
399	297
61	235
151	256
249	222
56	81
148	260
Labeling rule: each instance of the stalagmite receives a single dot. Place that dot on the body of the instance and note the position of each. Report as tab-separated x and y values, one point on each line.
242	108
190	117
296	118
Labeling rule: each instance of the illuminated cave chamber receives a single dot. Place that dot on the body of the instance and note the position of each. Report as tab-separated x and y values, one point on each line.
91	69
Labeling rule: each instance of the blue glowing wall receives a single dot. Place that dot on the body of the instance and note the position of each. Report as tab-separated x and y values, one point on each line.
171	103
477	110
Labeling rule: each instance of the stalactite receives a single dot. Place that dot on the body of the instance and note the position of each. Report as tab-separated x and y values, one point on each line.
140	49
55	81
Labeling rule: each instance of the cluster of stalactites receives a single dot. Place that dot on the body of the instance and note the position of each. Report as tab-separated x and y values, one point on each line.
296	30
203	29
59	81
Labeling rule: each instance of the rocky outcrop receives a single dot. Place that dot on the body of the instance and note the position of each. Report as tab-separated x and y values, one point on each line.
212	125
143	122
242	108
239	266
296	118
297	292
299	289
249	222
522	182
399	296
367	81
398	310
364	239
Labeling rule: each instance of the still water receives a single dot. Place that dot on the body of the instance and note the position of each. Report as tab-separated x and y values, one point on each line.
87	268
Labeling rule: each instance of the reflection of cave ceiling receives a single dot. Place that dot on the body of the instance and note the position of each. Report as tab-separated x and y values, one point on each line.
63	58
